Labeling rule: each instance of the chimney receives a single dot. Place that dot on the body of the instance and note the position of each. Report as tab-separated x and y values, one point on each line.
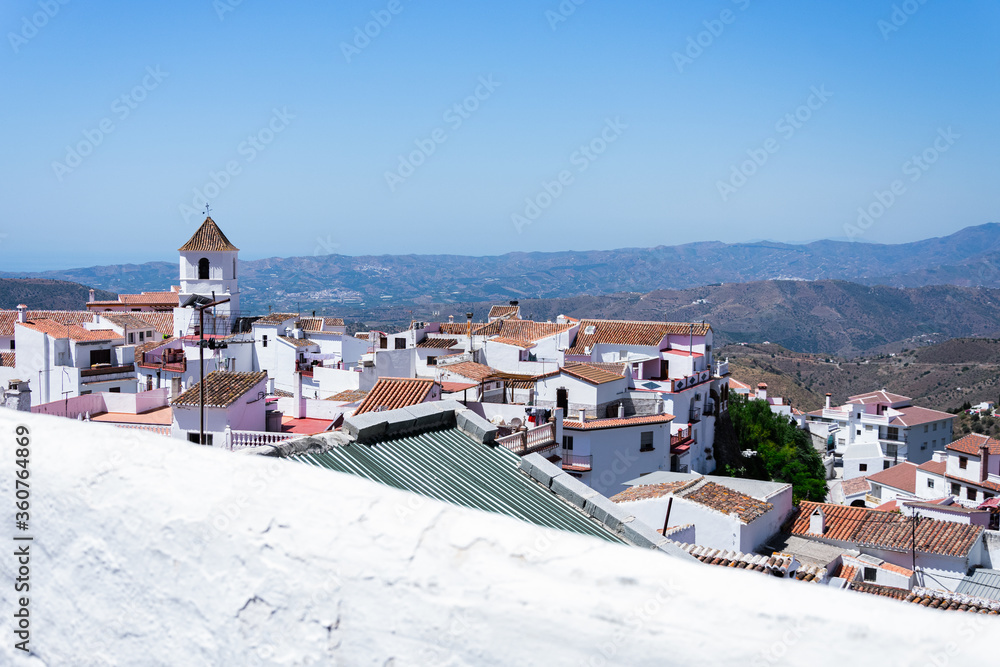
828	401
621	411
91	298
451	319
175	387
817	522
22	313
762	391
984	460
270	386
513	303
17	396
297	400
583	415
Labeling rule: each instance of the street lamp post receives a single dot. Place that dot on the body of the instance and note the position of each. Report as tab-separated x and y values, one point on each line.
197	302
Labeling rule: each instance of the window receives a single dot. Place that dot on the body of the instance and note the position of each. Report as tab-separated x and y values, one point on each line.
870	573
234	267
131	338
193	437
142	336
383	342
925	428
970	493
956	490
886	465
863	467
930	483
935	426
203	268
963	462
568	442
115	390
646	441
264	341
432	361
892	433
400	343
859	431
85	392
892	451
987	496
12	345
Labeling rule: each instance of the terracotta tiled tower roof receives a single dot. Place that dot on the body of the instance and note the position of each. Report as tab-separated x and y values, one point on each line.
208	238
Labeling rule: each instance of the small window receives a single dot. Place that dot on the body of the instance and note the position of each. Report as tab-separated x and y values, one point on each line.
400	343
12	345
142	336
193	437
925	428
646	441
131	338
203	268
863	467
432	361
987	496
970	493
956	489
886	465
963	462
930	483
859	431
383	343
871	573
115	390
568	442
935	426
264	341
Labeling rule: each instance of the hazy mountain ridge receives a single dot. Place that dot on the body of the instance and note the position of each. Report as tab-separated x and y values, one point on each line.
969	257
42	294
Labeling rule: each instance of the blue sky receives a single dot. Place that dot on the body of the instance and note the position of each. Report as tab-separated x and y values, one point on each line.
633	123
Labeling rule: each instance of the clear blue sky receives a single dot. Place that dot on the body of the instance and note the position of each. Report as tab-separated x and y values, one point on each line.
678	126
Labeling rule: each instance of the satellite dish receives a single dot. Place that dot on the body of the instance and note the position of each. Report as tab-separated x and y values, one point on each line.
515	422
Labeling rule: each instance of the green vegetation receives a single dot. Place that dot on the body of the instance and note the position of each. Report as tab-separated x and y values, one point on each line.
784	453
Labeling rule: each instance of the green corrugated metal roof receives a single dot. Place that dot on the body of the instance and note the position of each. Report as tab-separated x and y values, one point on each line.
450	466
981	583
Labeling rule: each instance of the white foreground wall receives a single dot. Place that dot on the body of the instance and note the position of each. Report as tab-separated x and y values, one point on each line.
152	551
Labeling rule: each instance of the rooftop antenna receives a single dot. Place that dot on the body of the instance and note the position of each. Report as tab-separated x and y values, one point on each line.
208	210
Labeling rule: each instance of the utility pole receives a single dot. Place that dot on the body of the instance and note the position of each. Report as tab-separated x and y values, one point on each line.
913	538
201	358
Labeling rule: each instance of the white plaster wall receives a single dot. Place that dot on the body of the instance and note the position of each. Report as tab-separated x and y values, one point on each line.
616	455
140	530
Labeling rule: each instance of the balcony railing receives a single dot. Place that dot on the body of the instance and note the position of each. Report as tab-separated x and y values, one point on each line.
173	363
151	428
527	442
681	437
723	368
694	415
576	462
304	367
107	373
235	440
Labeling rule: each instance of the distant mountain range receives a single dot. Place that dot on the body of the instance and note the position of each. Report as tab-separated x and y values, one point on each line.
970	257
44	294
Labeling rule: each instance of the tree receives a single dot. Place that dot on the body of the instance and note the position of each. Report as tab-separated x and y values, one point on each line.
784	453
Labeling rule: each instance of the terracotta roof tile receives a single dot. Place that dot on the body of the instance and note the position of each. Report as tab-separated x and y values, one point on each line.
855	485
72	331
877	397
470	369
933	599
709	494
437	343
162	322
912	416
510	341
587	372
934	467
504	311
394	393
150	299
349	395
8	359
522	330
971	443
902	476
630	332
617	423
9	317
274	319
459	328
298	342
222	389
208	238
888	530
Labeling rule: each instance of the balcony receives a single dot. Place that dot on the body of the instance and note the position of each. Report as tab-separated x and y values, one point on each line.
538	439
304	367
576	462
722	369
107	373
175	363
682	437
694	415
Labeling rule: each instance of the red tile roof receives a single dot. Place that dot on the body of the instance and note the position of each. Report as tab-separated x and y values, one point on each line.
848	572
933	599
855	485
305	425
586	372
630	332
349	395
971	443
459	328
698	490
162	322
593	424
451	387
150	299
222	389
888	530
72	331
274	319
510	341
470	369
913	416
504	311
523	330
8	359
902	476
437	343
394	393
297	342
157	417
9	317
934	467
208	238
